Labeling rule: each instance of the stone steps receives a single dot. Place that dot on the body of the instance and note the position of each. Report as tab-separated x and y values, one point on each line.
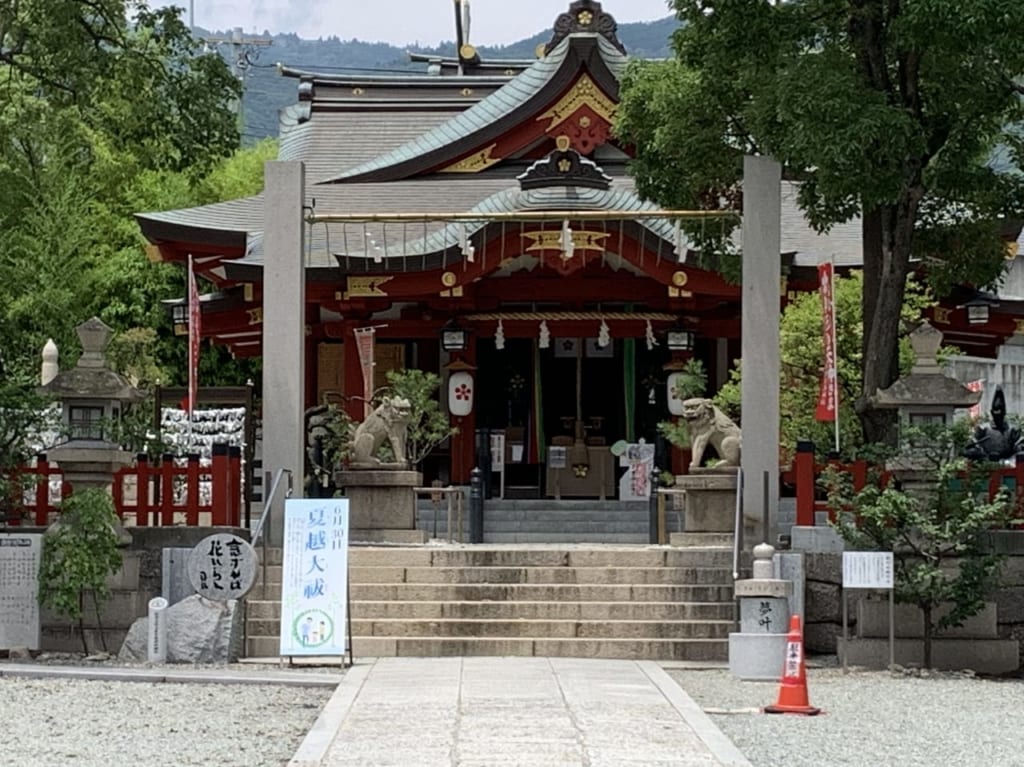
530	575
571	601
585	611
637	649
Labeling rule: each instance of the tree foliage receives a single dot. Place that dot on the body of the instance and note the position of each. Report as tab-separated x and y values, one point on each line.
936	529
80	552
107	108
429	425
890	111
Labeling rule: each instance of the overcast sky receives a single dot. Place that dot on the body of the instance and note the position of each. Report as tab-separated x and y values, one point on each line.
402	22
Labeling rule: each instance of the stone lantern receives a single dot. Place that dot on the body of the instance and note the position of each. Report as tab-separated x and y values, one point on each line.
926	396
92	397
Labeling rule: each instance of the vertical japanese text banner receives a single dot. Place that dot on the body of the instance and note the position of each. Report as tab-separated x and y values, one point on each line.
314	577
364	343
828	397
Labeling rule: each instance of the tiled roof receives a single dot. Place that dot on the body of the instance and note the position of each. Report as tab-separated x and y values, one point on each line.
492	109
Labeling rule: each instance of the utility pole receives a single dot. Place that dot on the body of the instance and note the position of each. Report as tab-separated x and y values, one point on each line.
244	53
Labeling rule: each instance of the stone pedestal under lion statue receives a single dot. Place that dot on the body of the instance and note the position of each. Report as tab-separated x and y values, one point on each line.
709	498
382	504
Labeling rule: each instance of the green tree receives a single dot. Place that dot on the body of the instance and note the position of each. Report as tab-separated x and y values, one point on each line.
936	529
429	425
887	110
801	355
80	552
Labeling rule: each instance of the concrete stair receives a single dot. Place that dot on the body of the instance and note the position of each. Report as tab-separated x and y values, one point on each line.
574	601
550	521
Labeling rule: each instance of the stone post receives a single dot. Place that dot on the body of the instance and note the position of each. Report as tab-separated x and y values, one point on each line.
758	650
284	325
476	506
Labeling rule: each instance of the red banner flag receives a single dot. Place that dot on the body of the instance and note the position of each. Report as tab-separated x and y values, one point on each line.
828	398
194	334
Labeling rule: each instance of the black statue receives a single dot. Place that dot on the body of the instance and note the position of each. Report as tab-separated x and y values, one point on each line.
997	440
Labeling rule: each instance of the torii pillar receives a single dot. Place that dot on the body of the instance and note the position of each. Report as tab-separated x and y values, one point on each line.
762	274
284	331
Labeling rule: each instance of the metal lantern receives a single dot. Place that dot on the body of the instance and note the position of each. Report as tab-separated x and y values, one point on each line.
454	338
461	388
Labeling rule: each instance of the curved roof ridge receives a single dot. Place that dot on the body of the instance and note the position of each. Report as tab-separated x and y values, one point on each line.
517	91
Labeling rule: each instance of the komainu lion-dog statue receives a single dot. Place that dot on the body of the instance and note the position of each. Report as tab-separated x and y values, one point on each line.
389	421
710	426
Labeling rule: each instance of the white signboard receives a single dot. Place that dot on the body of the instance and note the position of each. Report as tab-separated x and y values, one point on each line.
314	581
558	457
867	569
19	589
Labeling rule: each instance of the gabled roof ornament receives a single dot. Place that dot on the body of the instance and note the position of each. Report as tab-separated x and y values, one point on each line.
585	16
564	167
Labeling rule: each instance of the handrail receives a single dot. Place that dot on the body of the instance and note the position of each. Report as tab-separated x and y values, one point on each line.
265	515
448	491
737	538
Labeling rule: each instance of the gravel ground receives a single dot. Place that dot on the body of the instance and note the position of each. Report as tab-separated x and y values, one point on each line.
869	719
102	724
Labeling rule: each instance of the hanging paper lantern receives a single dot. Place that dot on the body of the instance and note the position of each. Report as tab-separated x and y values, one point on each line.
460	394
675	405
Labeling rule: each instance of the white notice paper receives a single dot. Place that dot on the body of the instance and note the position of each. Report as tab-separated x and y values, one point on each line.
867	570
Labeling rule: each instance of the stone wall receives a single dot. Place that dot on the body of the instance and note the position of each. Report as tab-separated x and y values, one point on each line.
823	595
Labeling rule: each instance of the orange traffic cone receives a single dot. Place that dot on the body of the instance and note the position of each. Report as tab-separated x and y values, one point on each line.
793	690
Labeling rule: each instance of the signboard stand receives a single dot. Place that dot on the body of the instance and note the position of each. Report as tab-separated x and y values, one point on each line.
872	570
316	619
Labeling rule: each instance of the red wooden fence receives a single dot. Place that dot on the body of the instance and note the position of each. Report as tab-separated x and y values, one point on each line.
805	473
150	494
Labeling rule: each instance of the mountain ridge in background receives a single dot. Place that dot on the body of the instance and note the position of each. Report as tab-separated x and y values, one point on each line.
266	91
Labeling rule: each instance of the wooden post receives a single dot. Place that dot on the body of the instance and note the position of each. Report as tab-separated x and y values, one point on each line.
192	491
142	490
803	470
167	490
219	513
42	491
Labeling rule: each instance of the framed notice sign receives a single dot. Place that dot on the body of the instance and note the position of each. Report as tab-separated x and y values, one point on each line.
870	570
314	577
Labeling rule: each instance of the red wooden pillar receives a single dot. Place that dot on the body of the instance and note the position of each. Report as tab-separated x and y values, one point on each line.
220	477
167	490
463	457
142	490
235	485
192	491
803	469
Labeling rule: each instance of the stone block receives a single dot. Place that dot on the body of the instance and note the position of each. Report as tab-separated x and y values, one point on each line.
764	588
823	566
128	576
175	583
873	621
984	656
789	566
385	535
764	615
824	603
757	657
380	499
819	538
1010	604
820	638
198	631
